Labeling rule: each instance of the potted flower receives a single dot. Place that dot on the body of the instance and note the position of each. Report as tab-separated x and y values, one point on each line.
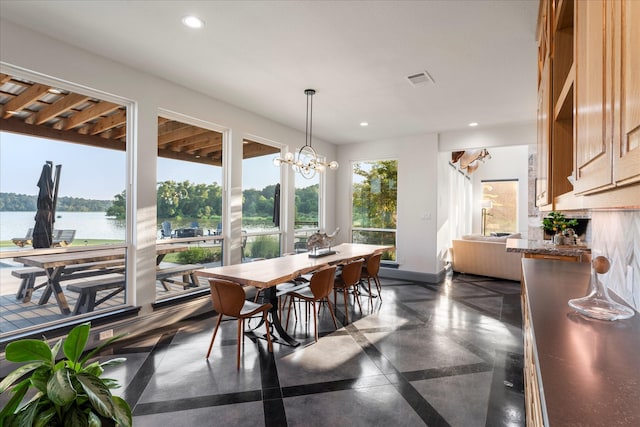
555	223
69	392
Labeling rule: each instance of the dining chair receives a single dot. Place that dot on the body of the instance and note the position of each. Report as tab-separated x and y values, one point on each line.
319	289
229	299
346	281
370	271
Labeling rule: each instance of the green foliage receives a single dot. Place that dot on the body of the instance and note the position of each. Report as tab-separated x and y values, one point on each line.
68	393
118	208
198	255
375	199
265	247
556	222
11	202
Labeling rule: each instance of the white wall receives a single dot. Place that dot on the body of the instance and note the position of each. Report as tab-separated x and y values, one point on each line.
417	156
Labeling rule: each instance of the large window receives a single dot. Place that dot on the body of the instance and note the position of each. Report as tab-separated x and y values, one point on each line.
375	201
260	202
307	203
499	206
189	202
74	144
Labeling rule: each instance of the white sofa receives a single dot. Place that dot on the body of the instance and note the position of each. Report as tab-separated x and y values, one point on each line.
486	256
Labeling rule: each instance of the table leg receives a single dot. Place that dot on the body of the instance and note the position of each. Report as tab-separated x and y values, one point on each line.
53	286
272	297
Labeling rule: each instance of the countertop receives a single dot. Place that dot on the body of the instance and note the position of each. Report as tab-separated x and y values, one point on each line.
589	370
545	247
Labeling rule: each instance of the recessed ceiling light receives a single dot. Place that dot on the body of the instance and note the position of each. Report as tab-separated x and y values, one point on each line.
364	124
193	21
473	124
55	91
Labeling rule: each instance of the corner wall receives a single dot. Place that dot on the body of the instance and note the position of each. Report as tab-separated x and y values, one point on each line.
417	157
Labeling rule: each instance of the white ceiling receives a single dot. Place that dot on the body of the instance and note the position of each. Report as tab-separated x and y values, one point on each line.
261	55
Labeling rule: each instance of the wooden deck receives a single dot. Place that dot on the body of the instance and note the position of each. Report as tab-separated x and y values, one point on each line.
15	314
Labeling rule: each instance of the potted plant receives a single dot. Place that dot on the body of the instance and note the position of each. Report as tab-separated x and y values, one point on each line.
69	392
555	223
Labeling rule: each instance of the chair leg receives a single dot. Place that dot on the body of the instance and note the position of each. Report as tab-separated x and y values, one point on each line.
356	296
376	280
240	327
215	331
346	307
315	320
266	324
333	316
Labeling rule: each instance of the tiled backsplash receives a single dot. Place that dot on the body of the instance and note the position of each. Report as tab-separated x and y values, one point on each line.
616	235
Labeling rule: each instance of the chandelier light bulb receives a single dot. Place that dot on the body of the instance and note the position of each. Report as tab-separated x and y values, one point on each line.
333	165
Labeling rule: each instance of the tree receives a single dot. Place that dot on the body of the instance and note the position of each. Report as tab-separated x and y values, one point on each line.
375	198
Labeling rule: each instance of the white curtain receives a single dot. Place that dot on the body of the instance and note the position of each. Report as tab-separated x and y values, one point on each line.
460	191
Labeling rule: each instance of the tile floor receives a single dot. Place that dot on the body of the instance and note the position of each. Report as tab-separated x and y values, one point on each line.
439	355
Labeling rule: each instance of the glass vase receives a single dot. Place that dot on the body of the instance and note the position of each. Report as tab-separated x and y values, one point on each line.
598	304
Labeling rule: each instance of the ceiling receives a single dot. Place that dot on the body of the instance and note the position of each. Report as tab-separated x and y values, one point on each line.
261	55
31	108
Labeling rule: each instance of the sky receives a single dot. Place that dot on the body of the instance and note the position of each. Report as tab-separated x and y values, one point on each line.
92	173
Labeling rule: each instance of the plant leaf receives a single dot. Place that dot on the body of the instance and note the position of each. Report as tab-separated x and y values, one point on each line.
76	341
19	392
28	351
94	420
17	374
44	417
74	417
122	412
93	369
59	388
40	377
100	347
98	394
54	352
114	362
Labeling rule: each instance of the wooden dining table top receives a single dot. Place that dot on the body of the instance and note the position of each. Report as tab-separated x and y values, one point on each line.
270	272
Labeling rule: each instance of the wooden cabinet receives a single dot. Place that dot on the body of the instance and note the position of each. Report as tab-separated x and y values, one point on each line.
555	101
626	92
593	129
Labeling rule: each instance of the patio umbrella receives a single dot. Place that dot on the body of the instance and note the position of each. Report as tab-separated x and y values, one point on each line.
276	206
43	230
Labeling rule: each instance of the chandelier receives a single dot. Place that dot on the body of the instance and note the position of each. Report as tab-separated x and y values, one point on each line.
306	162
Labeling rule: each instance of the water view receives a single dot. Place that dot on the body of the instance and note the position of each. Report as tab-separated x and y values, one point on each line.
88	225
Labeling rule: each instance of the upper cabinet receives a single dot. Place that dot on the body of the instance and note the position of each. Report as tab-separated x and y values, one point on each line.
594	89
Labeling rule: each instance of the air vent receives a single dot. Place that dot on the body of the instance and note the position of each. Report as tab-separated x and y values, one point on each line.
420	79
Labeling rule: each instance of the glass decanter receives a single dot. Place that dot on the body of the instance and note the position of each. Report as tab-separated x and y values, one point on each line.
598	304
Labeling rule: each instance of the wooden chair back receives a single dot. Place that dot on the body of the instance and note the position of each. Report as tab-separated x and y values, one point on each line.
351	273
373	264
321	283
227	297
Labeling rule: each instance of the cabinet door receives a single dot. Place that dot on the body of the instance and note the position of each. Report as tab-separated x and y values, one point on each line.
626	136
593	157
544	110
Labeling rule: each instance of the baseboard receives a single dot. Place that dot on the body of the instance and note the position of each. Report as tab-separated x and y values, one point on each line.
393	273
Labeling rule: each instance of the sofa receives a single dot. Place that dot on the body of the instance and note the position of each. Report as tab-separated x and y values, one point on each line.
486	256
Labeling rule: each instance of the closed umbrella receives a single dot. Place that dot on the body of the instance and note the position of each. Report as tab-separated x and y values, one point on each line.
43	230
276	206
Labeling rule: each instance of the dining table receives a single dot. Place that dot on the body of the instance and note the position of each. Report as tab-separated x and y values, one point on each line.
266	274
60	266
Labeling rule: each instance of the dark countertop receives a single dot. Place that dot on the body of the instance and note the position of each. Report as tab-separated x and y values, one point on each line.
589	369
545	247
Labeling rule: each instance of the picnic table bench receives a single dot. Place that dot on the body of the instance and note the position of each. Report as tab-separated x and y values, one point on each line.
187	271
88	292
28	275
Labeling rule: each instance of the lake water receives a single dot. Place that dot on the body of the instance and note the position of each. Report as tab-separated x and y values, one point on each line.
88	225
